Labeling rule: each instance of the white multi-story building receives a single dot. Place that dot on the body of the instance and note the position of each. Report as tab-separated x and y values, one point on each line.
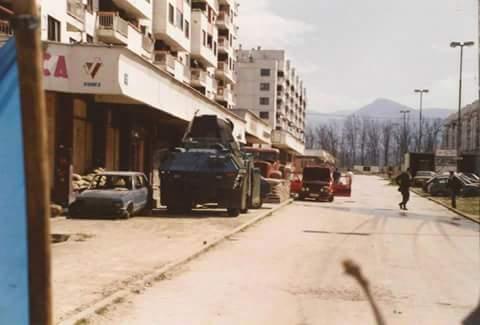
269	85
227	37
124	77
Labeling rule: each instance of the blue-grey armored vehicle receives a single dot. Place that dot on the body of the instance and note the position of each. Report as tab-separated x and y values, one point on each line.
209	168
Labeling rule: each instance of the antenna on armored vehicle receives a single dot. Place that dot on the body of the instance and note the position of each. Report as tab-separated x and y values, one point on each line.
189	127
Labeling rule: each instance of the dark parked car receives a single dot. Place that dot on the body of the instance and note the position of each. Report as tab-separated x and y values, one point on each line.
117	194
317	183
437	186
422	177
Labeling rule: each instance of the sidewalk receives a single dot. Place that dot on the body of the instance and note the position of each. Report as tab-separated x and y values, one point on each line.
101	257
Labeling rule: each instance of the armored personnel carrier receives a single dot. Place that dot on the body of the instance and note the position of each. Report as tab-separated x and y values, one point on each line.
209	168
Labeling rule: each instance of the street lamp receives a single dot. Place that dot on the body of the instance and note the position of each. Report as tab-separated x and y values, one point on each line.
459	127
421	92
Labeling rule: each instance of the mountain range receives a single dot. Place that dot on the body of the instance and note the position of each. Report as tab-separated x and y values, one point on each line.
380	109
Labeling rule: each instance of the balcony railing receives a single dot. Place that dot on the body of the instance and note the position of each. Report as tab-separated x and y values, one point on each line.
164	58
147	44
199	76
76	9
112	21
224	42
5	27
225	19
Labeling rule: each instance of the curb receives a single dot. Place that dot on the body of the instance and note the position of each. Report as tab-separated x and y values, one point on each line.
460	213
158	275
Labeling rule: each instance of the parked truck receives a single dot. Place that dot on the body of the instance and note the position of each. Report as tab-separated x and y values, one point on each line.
419	162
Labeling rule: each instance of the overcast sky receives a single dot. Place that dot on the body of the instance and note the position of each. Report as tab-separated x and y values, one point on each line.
350	52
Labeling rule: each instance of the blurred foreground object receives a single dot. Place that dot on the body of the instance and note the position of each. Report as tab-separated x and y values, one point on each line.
353	269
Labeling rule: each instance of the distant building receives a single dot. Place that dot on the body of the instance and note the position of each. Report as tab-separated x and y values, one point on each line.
470	143
470	118
269	86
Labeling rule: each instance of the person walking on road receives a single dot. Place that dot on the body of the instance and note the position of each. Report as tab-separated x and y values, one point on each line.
404	181
454	185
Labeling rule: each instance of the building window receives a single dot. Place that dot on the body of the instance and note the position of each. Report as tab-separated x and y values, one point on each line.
171	14
179	19
89	38
53	29
265	115
187	29
215	48
264	101
204	37
264	86
265	72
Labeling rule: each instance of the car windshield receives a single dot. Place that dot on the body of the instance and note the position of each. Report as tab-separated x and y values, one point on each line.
316	174
111	182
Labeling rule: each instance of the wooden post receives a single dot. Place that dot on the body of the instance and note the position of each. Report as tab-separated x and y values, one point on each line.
30	57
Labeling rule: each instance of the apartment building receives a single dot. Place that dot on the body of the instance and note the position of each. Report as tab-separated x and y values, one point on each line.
227	39
123	78
269	85
470	136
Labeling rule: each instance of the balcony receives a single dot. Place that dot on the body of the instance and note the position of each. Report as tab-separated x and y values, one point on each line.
225	21
141	9
170	64
203	49
112	28
224	45
76	15
147	44
223	72
174	37
225	95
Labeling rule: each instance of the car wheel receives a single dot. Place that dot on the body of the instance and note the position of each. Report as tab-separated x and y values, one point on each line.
128	212
331	198
233	212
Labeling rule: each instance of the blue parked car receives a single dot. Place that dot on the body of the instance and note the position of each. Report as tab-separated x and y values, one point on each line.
117	194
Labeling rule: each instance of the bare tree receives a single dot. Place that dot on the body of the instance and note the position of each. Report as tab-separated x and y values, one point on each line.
387	134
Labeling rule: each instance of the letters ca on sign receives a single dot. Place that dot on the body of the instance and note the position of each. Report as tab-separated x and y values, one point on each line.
55	66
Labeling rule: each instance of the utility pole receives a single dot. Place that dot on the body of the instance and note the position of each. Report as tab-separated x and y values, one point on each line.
26	23
459	118
405	145
420	124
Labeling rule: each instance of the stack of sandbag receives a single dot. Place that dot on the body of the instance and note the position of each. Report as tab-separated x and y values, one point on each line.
280	191
81	183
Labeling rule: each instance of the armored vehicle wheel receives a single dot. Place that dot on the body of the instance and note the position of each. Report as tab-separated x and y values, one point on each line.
245	199
233	212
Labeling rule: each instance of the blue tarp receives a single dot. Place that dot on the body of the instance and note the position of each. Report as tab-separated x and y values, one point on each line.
13	216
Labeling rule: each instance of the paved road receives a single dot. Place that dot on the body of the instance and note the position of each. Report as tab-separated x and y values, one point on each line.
104	256
423	266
